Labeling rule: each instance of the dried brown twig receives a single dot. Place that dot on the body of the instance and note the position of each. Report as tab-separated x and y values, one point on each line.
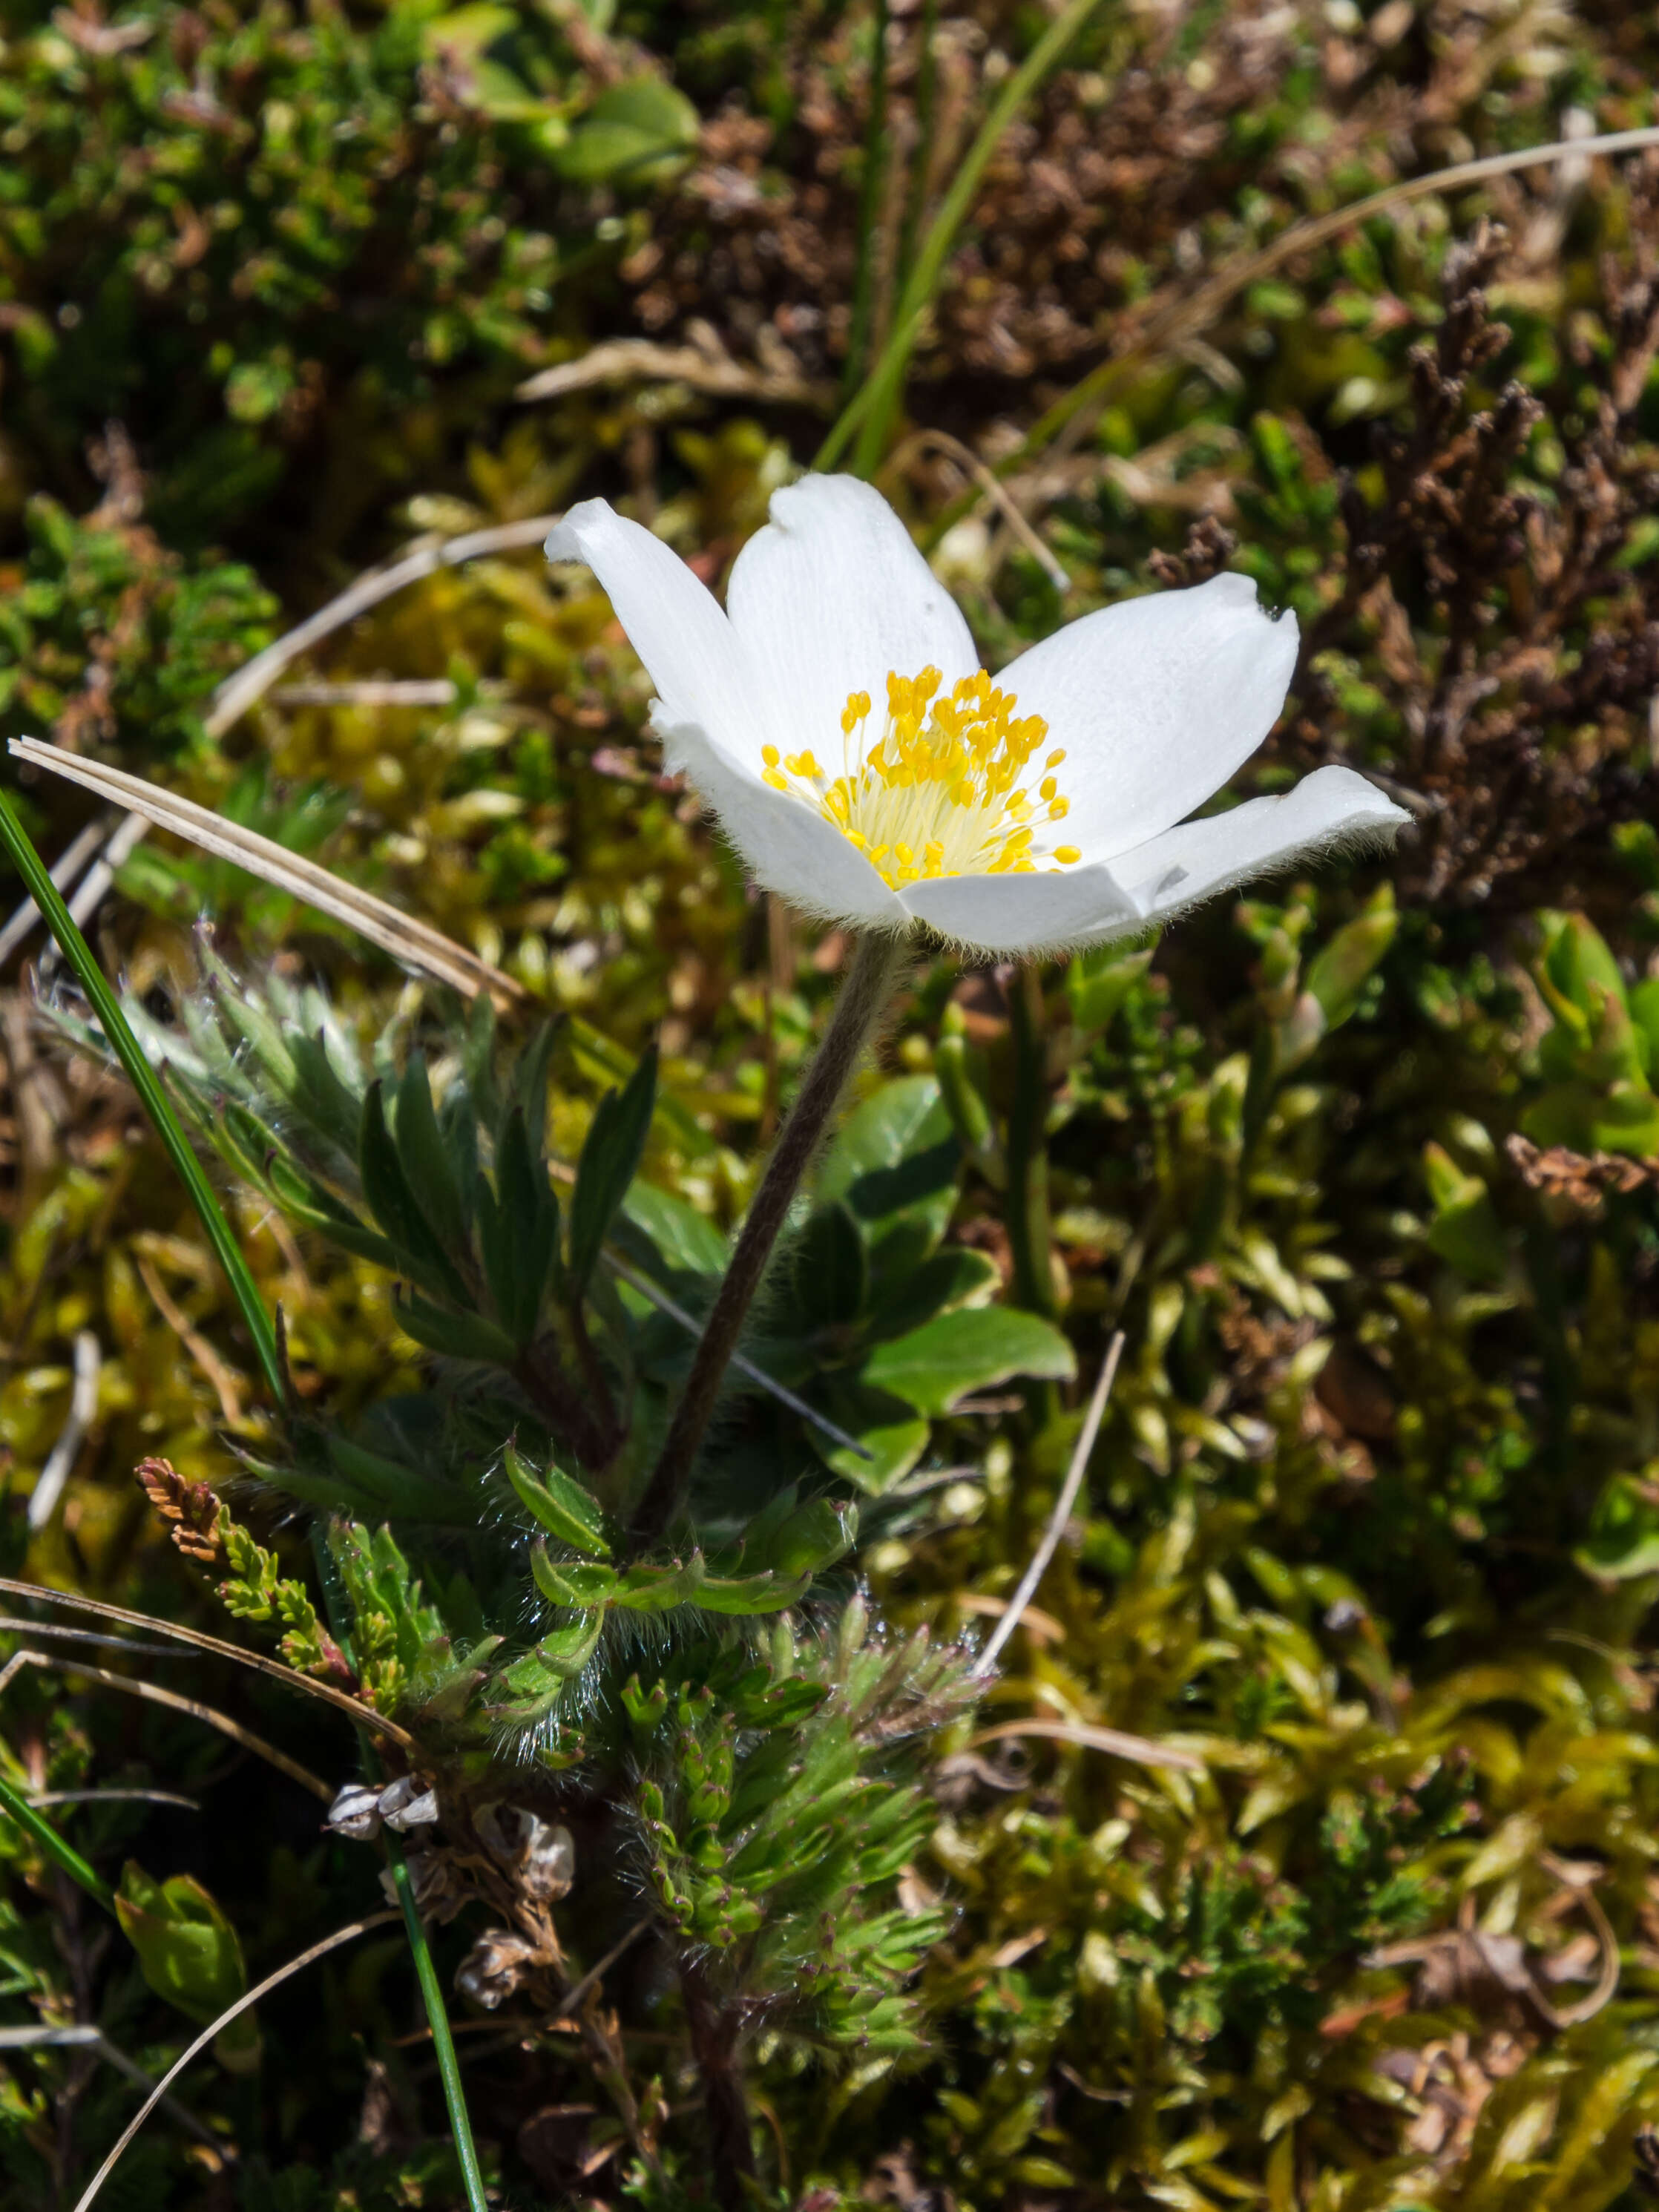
1518	659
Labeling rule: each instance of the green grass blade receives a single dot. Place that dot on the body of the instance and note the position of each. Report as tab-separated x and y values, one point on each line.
61	1853
872	412
145	1081
443	2042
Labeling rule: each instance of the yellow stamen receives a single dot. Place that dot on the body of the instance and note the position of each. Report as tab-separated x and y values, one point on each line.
940	787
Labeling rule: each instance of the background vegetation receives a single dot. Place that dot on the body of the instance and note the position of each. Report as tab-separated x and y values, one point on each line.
1364	1167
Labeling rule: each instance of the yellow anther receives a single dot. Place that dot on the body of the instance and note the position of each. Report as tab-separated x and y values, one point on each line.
1067	854
938	787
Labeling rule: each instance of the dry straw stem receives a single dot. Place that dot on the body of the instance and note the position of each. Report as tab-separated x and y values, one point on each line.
361	1715
415	943
238	693
1121	1745
193	1339
130	832
255	678
348	1934
941	442
704	366
115	1797
1049	1543
52	1628
373	691
74	2037
1186	320
154	1694
83	1412
64	870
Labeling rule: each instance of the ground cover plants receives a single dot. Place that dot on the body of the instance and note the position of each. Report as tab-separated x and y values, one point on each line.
1292	1844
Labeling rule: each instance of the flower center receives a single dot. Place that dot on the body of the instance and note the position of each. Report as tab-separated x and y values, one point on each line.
944	791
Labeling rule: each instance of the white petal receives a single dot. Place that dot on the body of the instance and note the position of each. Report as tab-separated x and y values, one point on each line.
1026	915
672	622
1156	702
785	845
1333	806
828	598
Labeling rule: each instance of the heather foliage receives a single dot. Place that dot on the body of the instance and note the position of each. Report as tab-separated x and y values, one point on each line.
1299	1850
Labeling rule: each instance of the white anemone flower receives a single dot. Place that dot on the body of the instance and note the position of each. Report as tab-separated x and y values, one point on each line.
836	719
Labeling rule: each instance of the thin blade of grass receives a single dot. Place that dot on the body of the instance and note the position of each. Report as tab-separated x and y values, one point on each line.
145	1081
63	1855
443	2041
871	413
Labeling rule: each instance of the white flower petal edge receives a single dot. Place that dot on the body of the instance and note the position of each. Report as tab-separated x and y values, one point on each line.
672	620
1156	700
827	599
787	847
1333	808
1027	915
1021	916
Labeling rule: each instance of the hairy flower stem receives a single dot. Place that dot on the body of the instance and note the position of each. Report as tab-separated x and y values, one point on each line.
713	2031
1027	1166
878	962
1028	1145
